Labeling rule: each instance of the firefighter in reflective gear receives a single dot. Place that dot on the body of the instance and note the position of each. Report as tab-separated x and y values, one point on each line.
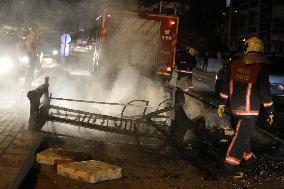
245	87
32	47
185	62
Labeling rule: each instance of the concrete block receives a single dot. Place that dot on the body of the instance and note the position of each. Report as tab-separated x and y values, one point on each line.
90	171
54	156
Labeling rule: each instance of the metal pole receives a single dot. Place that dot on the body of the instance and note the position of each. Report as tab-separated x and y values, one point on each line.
160	7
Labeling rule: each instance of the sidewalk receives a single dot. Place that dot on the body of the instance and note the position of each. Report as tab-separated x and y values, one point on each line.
17	146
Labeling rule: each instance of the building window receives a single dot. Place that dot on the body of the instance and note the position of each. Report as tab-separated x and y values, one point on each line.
244	4
279	32
253	3
281	49
252	29
228	3
243	21
253	18
278	22
278	2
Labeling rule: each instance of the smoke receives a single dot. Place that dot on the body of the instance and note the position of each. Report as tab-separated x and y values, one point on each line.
58	15
124	74
123	86
194	109
128	84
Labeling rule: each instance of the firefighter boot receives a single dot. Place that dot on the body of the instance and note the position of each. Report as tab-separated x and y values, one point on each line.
249	167
231	171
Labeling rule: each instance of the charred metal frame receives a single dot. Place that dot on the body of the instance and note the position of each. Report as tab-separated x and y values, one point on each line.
39	108
152	125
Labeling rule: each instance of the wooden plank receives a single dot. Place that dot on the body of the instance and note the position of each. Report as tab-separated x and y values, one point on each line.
54	156
18	159
90	171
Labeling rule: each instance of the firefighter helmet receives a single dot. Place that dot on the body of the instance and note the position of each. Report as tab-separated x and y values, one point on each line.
253	44
191	51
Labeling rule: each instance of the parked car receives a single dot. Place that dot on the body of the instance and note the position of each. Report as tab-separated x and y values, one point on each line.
276	75
50	46
276	79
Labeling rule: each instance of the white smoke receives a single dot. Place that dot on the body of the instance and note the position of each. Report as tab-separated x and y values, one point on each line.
119	80
194	108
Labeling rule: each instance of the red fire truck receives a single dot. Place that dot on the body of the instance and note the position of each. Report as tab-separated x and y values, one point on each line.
146	41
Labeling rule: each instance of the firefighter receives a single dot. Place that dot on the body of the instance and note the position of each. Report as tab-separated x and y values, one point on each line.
32	47
185	61
245	87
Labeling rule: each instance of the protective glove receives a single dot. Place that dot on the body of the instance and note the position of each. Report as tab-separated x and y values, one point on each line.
270	120
221	109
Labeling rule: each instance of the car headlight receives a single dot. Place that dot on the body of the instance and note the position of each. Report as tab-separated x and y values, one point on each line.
55	52
24	59
5	64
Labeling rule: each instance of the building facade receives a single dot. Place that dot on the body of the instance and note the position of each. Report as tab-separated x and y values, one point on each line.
262	18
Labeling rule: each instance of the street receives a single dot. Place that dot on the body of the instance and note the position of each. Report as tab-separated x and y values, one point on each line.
141	94
69	80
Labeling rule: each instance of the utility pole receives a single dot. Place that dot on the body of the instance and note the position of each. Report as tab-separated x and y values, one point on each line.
160	7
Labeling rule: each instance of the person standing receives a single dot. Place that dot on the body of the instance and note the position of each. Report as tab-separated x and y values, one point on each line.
205	62
185	62
32	47
245	87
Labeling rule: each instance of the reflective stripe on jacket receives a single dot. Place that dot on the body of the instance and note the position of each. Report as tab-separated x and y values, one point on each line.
184	71
246	87
185	62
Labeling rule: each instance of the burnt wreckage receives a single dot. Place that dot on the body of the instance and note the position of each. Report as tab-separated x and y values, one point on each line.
168	125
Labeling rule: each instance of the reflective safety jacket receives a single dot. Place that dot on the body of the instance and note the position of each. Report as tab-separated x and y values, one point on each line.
246	85
185	62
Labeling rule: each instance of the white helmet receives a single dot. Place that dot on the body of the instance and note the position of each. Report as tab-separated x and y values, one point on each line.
253	44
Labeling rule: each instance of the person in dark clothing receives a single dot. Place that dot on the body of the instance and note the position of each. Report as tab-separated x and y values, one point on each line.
185	62
205	62
245	86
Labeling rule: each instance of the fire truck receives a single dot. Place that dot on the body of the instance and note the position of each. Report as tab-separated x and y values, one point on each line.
146	41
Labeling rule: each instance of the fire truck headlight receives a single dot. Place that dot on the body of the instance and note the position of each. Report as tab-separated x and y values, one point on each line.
5	64
55	52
